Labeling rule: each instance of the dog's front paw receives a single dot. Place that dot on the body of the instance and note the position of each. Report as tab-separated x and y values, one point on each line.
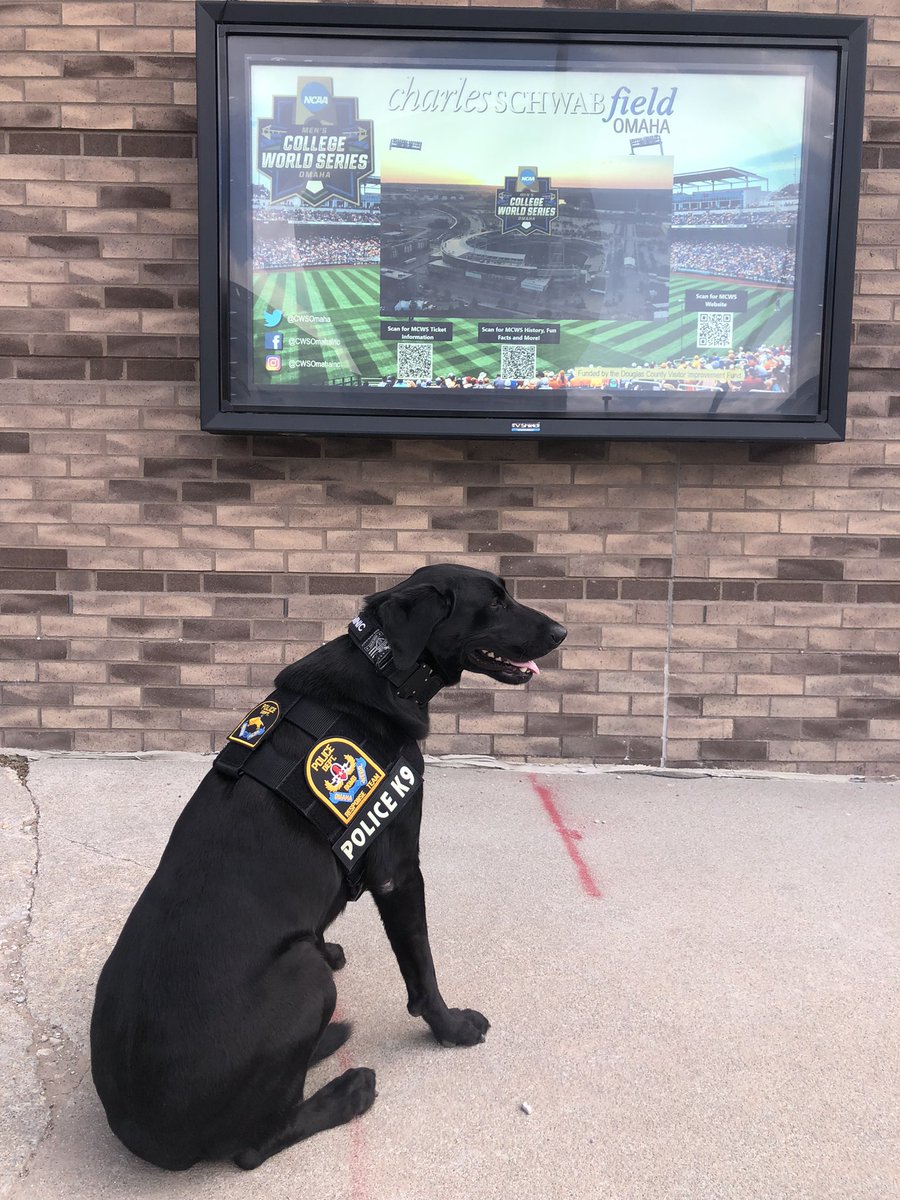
462	1027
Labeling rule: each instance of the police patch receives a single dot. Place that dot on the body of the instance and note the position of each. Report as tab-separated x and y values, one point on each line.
256	724
342	776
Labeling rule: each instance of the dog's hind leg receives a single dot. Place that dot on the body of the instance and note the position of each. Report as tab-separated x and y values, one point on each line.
333	955
337	1102
332	1039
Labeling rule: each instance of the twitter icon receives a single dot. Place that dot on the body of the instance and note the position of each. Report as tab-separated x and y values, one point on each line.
272	317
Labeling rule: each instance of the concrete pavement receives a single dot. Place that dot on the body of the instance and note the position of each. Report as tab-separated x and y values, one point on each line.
693	983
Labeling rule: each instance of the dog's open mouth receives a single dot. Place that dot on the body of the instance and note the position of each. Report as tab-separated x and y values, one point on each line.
489	662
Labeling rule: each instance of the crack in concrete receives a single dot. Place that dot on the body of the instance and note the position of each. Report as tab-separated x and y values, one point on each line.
60	1065
106	854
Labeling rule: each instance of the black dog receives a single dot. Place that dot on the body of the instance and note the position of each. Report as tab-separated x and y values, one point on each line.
218	995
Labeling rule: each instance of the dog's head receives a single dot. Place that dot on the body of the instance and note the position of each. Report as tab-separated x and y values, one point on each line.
461	619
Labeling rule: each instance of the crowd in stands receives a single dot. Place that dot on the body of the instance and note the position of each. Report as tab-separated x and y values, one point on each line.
765	369
759	263
288	252
302	214
735	216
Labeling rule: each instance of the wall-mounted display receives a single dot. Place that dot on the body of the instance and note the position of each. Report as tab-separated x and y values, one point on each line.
478	222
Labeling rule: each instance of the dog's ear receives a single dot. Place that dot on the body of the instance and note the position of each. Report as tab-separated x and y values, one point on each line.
408	618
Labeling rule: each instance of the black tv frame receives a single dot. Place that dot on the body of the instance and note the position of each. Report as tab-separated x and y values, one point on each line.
217	20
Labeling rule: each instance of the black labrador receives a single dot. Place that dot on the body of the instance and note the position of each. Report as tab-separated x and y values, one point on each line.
218	994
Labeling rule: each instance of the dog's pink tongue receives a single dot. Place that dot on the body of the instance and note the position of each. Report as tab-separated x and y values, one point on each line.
529	666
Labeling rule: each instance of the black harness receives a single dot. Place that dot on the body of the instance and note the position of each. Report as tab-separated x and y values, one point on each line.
338	781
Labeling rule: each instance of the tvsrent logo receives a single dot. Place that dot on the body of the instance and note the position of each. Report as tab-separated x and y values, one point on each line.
525	427
315	97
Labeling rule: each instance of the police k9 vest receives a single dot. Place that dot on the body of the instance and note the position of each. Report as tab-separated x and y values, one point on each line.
347	786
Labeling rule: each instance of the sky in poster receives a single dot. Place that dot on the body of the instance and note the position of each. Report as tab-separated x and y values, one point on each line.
575	126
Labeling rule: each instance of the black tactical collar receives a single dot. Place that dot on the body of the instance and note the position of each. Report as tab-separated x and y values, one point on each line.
420	683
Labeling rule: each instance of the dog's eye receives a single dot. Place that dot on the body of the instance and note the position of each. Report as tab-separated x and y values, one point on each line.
498	602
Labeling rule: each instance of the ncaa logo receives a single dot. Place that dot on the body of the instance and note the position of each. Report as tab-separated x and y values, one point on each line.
528	176
315	97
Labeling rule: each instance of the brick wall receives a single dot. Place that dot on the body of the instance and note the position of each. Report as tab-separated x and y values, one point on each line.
727	605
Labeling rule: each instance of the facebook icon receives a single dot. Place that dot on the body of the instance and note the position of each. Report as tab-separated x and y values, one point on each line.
274	341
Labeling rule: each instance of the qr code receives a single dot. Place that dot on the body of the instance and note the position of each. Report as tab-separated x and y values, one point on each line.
518	362
414	361
715	330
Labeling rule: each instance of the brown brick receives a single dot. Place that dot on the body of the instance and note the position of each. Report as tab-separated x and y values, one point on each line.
805	592
33	602
530	590
351	585
97	144
143	673
559	724
217	630
14	443
75	345
176	652
44	739
501	497
535	566
247	584
95	66
465	518
129	581
139	346
806	568
645	589
732	751
500	543
878	593
340	493
601	589
35	580
150	370
870	664
136	297
49	368
178	697
26	650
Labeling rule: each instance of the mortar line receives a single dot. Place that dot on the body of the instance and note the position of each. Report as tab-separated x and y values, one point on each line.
670	604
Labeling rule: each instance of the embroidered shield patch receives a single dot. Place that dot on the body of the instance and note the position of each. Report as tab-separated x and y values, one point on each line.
256	724
342	776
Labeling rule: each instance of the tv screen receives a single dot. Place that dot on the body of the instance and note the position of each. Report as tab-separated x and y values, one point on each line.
495	223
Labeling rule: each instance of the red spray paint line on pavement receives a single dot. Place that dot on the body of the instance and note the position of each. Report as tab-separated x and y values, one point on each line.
360	1157
569	837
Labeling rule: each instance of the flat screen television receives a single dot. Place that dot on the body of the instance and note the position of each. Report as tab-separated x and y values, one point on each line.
526	223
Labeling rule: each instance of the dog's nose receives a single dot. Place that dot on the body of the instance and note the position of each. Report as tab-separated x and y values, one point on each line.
558	633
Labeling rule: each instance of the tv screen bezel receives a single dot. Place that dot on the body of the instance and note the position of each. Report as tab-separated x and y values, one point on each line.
216	21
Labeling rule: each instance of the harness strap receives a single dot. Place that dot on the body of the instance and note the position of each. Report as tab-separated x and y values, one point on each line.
308	716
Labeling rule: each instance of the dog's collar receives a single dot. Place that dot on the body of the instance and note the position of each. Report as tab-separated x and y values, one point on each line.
420	683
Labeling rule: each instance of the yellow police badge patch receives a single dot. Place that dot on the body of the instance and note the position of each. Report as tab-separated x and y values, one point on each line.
341	775
256	724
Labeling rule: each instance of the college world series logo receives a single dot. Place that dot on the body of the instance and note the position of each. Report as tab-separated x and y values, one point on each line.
527	202
314	146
